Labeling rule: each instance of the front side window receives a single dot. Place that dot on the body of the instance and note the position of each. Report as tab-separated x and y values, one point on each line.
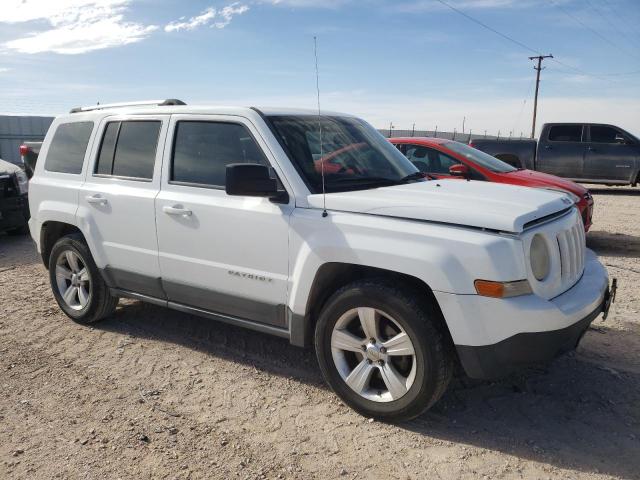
565	133
349	152
604	134
128	149
202	151
430	160
68	147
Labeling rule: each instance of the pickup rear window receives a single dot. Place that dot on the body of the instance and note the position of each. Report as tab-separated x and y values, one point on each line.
68	147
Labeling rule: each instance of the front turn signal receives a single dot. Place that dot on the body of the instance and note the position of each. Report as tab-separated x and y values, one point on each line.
488	288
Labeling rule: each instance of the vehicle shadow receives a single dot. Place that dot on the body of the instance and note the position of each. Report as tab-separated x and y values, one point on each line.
613	244
573	414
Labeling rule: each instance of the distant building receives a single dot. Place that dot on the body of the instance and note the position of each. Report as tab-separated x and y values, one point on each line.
15	129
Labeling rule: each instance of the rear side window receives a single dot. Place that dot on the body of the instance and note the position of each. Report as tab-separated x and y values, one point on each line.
202	151
68	147
565	133
128	149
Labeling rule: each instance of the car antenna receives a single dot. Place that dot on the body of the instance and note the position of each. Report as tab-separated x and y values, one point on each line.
324	192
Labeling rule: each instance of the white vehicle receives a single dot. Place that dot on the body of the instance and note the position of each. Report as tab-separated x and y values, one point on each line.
394	278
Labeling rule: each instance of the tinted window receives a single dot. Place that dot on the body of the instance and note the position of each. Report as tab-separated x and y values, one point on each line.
565	133
68	147
429	160
351	154
107	149
602	134
128	149
202	151
136	149
479	157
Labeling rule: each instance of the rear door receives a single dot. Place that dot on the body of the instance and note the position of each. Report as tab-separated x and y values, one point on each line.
611	154
117	200
562	152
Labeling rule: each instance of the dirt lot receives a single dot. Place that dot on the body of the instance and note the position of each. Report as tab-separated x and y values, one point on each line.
153	393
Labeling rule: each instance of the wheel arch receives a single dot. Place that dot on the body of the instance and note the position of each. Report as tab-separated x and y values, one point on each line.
332	276
52	231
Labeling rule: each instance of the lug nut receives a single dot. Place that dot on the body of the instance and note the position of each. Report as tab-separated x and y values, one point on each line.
381	363
369	361
383	350
364	348
372	340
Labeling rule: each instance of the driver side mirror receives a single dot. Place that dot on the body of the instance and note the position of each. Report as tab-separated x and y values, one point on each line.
460	170
250	180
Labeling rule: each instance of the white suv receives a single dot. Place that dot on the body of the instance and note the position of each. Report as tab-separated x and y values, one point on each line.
394	277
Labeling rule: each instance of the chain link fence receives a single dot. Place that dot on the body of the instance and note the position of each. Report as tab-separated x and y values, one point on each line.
464	137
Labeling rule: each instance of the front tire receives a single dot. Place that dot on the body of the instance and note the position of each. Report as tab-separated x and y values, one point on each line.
76	282
382	351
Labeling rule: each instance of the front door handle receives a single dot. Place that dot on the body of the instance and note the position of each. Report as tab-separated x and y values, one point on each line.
591	149
548	147
177	210
97	199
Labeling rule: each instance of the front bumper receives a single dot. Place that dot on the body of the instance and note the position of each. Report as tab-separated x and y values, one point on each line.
14	212
496	336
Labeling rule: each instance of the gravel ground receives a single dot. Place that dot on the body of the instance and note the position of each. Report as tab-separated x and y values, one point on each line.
152	393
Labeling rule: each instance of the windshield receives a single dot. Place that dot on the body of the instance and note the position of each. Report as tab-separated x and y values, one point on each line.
483	159
353	154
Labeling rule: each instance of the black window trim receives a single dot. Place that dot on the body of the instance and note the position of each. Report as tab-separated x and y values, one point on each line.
174	136
84	159
619	130
582	133
115	148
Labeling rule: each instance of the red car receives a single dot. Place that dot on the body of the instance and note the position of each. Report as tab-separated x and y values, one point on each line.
443	158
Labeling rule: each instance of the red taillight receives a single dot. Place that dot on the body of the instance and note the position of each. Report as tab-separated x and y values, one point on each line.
24	149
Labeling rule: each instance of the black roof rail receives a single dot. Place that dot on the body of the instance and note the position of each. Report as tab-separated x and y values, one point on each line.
160	103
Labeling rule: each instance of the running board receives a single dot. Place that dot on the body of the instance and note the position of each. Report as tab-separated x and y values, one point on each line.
239	322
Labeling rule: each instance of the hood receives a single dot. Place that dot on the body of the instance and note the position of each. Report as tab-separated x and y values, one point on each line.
531	178
475	204
7	168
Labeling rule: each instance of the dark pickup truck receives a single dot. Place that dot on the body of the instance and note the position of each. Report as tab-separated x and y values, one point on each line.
583	152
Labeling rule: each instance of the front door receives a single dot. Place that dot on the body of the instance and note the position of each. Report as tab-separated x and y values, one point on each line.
562	152
220	253
611	155
117	200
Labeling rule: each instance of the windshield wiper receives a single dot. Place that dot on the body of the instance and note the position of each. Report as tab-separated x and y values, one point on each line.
416	176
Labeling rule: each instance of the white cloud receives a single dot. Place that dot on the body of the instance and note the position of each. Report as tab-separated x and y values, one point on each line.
223	17
4	70
78	26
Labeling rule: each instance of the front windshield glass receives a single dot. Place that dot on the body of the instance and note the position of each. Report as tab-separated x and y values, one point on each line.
483	159
354	154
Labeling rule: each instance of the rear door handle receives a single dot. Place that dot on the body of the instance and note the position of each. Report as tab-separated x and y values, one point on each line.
547	147
591	149
177	210
97	199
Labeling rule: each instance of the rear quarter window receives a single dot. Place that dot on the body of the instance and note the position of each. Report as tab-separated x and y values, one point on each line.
68	147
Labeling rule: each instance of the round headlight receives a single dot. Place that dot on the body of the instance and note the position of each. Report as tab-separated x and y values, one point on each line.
539	258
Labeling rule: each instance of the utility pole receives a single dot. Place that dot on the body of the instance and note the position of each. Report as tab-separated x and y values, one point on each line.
464	119
540	58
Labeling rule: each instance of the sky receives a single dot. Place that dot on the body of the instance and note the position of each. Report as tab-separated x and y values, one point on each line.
432	63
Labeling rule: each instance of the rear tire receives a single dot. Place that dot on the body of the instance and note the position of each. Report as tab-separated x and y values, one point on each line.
382	351
76	282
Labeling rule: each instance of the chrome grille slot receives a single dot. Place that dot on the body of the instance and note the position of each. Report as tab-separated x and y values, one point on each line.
571	243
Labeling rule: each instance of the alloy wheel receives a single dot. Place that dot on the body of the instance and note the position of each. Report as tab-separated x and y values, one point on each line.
73	280
373	354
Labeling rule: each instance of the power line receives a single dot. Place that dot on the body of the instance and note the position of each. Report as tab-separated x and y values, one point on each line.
624	19
520	44
592	30
612	24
